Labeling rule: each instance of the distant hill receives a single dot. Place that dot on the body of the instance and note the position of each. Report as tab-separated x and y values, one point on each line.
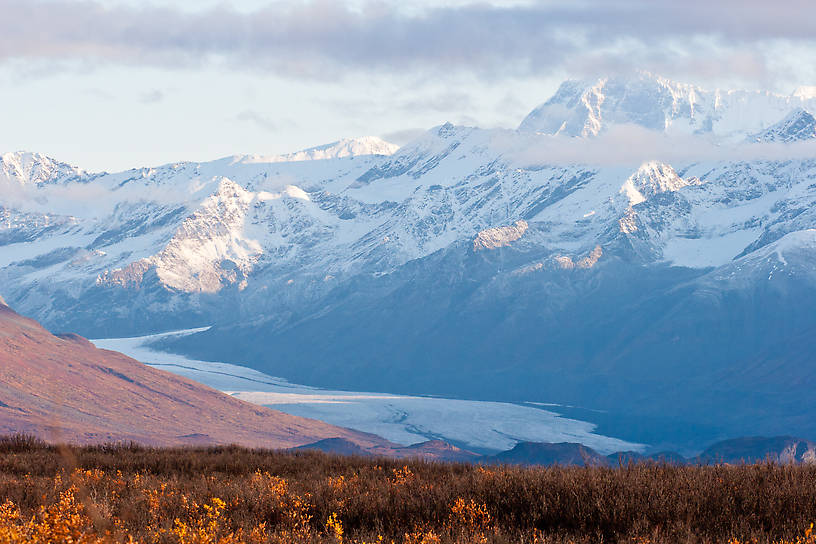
778	449
537	453
432	450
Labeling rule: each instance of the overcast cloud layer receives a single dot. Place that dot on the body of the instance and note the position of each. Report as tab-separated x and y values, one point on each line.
751	39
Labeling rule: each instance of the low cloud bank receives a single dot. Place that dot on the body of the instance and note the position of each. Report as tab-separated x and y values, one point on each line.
631	145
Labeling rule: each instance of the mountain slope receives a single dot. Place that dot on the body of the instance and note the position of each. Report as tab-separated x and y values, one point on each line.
703	354
24	168
799	125
64	389
348	147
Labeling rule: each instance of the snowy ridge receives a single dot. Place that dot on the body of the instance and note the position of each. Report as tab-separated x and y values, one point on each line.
375	216
26	168
349	147
799	125
588	108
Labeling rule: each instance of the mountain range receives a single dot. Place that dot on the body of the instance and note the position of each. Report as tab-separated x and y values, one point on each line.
784	450
640	250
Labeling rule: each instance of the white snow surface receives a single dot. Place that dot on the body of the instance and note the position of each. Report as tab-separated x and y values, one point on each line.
26	168
349	147
587	108
484	426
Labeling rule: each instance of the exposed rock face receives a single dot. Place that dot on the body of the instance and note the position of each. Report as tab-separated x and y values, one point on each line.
566	263
25	168
587	108
499	236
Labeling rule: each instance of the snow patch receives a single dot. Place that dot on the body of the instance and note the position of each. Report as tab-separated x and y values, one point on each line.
291	191
707	252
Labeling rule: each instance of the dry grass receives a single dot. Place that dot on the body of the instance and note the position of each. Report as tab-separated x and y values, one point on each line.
233	495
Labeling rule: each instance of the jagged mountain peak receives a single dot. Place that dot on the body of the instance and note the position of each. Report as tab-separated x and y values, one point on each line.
583	108
799	125
25	167
652	178
587	108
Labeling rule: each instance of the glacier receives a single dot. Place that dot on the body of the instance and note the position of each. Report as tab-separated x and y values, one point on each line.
477	425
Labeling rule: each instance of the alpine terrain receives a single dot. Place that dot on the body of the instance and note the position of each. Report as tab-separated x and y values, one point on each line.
664	291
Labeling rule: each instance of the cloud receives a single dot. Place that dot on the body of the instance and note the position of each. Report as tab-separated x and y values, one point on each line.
151	97
442	102
632	145
99	94
259	119
323	38
402	137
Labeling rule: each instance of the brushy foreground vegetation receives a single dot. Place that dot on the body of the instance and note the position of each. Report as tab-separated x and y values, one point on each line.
232	495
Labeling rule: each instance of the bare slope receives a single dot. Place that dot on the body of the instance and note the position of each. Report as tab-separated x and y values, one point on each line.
63	388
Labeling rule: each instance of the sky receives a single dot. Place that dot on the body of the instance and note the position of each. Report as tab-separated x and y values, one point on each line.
115	84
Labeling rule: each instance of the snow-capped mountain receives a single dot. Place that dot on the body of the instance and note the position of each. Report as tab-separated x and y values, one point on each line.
582	108
469	262
25	168
348	147
799	125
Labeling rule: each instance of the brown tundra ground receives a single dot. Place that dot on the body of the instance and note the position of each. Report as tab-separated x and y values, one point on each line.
230	495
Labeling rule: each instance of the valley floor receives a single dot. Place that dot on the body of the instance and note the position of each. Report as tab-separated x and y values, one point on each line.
233	496
474	425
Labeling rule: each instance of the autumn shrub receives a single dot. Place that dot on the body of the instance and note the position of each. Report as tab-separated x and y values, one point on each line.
229	495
